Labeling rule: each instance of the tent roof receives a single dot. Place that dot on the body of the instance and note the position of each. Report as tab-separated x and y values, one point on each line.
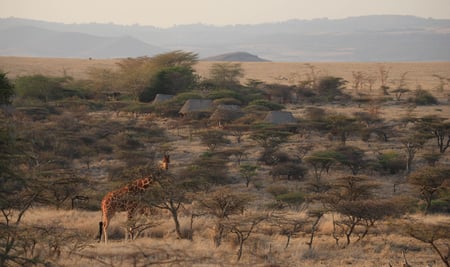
196	105
280	117
161	98
229	107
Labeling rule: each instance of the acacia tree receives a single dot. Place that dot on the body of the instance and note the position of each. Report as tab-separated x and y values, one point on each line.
316	215
222	203
342	126
351	157
157	73
301	151
289	226
238	154
359	78
248	172
135	74
213	138
434	234
321	161
170	194
18	191
282	92
383	71
412	143
270	139
177	58
401	87
237	130
58	186
169	80
243	228
358	217
226	75
443	82
430	181
440	129
103	81
292	170
357	211
329	87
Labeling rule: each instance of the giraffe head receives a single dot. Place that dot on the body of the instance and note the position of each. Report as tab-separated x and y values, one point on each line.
165	162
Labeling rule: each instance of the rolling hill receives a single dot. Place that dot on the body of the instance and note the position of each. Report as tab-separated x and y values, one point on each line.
236	56
39	42
368	38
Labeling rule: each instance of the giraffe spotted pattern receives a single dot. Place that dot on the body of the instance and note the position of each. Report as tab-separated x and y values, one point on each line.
126	199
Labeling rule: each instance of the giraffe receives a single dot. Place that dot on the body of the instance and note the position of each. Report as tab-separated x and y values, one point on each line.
125	199
165	162
122	199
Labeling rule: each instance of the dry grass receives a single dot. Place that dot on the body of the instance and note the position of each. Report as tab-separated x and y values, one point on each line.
77	68
262	249
418	73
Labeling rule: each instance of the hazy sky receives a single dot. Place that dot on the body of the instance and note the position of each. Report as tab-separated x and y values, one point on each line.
166	13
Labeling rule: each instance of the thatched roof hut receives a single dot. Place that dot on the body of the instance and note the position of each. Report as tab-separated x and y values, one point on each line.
196	105
229	107
226	113
280	117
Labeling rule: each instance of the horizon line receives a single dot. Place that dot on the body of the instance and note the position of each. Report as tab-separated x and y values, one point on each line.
222	25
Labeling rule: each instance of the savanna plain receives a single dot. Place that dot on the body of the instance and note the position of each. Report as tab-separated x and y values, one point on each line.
290	164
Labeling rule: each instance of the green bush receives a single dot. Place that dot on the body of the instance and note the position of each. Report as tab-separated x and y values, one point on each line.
227	101
276	190
391	162
46	88
291	198
290	170
265	105
183	97
6	89
432	157
169	80
216	94
423	98
441	205
329	87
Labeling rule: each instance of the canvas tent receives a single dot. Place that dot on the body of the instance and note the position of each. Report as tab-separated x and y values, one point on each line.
161	98
280	117
196	106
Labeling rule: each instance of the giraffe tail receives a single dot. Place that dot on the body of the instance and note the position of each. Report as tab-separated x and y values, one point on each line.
100	231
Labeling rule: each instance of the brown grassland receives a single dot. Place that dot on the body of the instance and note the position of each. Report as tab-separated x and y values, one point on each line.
419	73
159	246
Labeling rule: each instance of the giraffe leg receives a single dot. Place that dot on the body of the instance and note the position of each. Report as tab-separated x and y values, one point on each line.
105	232
129	228
105	225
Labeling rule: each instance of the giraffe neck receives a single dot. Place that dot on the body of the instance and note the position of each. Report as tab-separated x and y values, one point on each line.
165	162
139	185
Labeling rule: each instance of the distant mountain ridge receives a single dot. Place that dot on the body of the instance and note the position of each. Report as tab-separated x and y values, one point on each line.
39	42
367	38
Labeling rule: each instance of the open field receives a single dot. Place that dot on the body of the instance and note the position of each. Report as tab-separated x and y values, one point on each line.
418	73
266	248
70	235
